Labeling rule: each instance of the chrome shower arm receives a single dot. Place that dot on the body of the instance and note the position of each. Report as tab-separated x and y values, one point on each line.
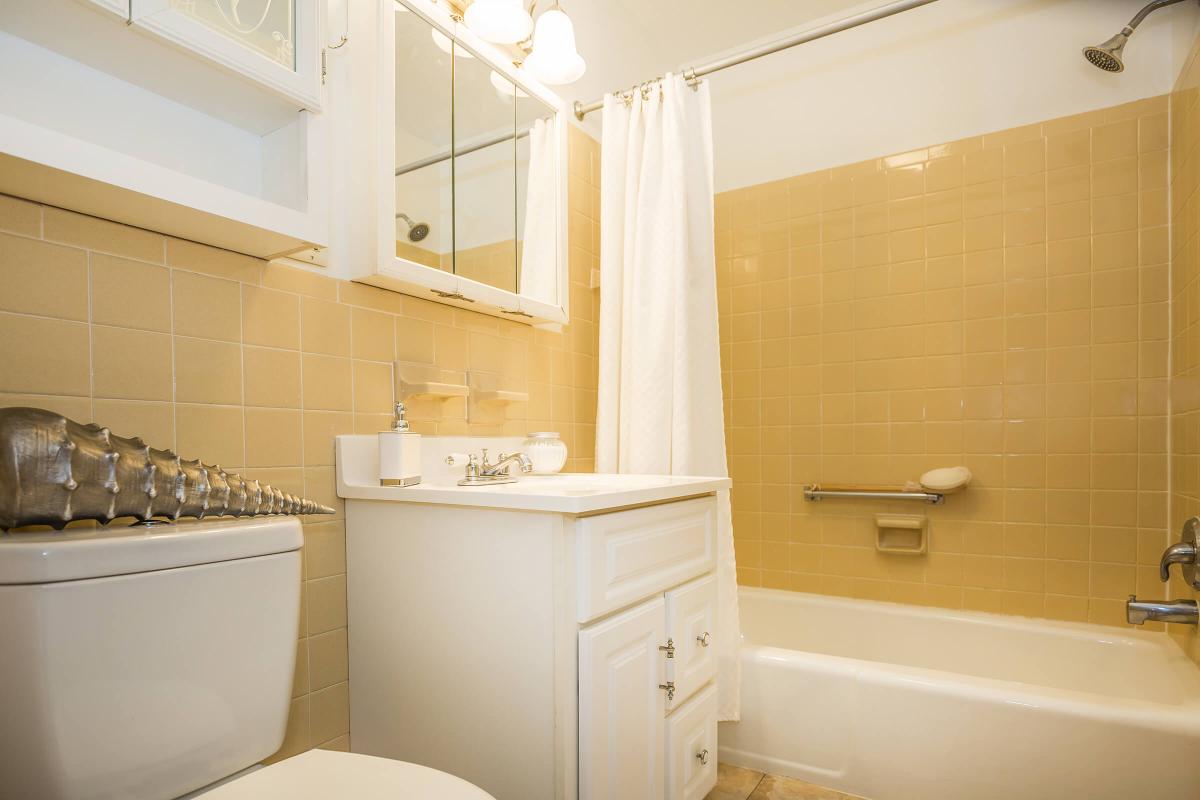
1149	9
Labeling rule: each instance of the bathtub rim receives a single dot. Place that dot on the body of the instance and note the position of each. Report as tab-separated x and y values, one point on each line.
1184	716
991	619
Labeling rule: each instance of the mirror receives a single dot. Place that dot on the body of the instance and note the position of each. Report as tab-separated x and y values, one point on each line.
485	199
424	192
477	176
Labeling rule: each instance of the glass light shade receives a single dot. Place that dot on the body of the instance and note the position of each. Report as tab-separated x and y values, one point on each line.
446	46
499	21
504	86
554	59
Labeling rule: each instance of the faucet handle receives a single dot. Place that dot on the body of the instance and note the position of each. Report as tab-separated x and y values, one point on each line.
1184	553
1178	553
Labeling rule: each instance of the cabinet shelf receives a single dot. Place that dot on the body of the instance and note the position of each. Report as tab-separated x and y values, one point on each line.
59	170
107	121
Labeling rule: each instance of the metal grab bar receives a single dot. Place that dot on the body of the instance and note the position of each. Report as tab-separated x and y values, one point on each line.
814	493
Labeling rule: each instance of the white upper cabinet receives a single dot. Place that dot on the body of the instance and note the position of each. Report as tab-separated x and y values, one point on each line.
273	42
195	118
466	204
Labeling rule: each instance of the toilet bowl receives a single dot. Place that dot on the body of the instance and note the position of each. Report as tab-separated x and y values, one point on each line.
156	663
324	775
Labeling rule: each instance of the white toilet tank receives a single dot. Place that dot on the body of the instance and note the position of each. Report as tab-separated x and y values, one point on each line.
144	662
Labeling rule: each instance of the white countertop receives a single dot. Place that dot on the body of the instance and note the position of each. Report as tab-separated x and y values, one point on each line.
566	493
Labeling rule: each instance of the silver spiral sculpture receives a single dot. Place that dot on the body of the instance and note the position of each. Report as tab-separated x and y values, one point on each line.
54	470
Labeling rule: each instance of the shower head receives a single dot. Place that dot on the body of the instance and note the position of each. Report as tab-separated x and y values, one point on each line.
416	230
1107	56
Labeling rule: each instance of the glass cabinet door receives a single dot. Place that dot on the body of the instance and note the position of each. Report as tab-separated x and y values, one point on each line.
267	27
485	203
424	185
272	42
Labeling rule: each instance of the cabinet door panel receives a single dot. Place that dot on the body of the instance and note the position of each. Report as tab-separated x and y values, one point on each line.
633	554
691	622
691	740
274	43
621	706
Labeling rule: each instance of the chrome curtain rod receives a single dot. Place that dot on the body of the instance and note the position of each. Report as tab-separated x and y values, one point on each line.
810	35
440	157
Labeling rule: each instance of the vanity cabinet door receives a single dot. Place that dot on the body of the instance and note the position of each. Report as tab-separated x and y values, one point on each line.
691	623
692	747
621	706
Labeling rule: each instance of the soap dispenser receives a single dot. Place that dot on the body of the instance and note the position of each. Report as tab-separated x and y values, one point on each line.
399	453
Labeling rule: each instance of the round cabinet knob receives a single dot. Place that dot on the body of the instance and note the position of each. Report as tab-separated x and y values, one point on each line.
704	639
703	756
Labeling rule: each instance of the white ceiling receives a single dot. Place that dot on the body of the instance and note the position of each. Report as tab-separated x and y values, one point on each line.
922	77
629	41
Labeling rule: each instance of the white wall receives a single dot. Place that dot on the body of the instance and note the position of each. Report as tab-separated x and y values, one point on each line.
948	70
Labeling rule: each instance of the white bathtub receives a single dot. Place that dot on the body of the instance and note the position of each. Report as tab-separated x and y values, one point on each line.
896	702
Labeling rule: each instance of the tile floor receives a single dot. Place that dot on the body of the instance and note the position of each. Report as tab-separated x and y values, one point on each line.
736	783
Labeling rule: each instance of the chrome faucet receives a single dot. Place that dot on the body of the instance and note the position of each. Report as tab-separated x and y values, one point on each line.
482	473
1178	553
1139	611
1185	554
500	468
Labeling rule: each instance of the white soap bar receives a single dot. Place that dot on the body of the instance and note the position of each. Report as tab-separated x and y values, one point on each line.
399	458
946	479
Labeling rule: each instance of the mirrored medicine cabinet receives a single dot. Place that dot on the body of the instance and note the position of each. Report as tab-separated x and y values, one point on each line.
471	172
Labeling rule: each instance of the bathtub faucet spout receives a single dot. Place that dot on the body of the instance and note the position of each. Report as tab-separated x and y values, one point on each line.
1140	611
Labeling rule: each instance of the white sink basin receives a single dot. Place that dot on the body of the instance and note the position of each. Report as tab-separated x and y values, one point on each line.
570	493
569	483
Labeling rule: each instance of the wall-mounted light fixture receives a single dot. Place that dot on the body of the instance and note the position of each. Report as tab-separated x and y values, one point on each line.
551	54
555	59
499	21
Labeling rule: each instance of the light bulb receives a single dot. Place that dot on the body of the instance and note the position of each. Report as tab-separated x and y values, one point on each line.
446	46
499	21
554	59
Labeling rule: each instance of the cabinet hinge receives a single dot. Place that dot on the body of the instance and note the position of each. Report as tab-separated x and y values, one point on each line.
324	64
670	688
669	648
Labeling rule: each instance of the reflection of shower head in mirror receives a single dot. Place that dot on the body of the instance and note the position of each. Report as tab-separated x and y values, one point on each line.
416	230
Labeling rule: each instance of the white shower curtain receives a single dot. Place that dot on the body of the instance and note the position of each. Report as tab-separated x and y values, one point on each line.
659	408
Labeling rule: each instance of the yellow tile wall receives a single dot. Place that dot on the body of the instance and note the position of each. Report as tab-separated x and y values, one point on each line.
1185	322
999	302
258	366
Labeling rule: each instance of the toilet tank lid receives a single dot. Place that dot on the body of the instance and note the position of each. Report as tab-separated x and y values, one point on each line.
77	554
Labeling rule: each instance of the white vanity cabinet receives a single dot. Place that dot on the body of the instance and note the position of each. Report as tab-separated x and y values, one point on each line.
548	643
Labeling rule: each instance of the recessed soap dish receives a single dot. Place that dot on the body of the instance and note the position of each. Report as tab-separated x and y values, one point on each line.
903	534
